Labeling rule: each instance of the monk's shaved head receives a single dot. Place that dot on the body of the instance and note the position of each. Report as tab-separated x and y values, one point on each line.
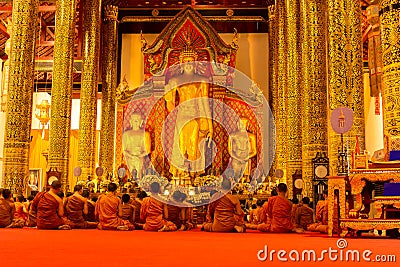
112	187
56	185
282	188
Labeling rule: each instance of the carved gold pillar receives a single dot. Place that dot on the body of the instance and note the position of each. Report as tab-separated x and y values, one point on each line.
345	79
281	125
273	80
294	97
109	85
389	14
314	109
89	84
118	137
19	97
61	92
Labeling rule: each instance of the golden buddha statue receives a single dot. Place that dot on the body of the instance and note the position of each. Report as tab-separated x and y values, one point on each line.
242	146
193	121
136	144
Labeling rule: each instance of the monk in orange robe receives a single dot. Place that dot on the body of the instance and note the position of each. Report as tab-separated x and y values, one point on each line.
255	217
32	211
279	213
304	215
137	203
20	210
154	212
108	207
226	212
50	210
89	217
7	210
127	210
75	207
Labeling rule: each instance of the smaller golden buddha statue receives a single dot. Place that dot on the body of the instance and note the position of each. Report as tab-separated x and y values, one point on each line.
242	146
136	144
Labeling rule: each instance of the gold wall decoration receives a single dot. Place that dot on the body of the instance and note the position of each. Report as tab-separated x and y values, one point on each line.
109	85
345	78
391	67
294	132
313	71
273	81
281	125
61	93
89	84
19	97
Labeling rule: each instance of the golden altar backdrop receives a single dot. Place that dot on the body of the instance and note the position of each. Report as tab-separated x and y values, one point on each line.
188	30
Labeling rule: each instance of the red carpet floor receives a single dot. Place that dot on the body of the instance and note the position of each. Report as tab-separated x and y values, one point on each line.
32	247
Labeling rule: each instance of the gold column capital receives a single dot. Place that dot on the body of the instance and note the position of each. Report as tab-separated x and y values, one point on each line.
110	13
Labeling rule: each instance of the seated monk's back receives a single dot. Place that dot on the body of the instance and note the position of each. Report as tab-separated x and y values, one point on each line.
304	216
47	214
74	209
32	210
90	217
128	212
224	212
137	204
5	212
174	215
280	214
107	208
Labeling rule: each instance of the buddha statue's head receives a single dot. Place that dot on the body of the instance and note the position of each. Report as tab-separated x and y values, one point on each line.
136	121
187	58
243	124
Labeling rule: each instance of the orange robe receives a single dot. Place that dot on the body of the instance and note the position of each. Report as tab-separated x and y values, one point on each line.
321	218
137	204
227	214
19	211
47	213
152	211
90	216
32	211
128	212
73	208
6	213
174	213
107	212
279	216
304	217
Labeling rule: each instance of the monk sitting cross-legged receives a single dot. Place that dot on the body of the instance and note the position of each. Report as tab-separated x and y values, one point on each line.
279	214
7	210
50	209
75	207
108	207
127	210
155	213
226	212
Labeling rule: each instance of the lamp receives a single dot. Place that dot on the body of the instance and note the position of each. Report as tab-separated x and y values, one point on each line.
43	113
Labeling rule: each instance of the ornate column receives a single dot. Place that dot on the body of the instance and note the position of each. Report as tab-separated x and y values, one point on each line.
314	126
345	79
294	149
273	81
118	137
89	84
109	85
61	92
389	14
281	124
19	97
